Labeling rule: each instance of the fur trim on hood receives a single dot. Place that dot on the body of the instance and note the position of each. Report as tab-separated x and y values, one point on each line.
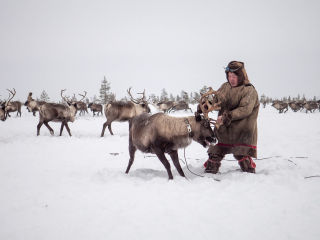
241	73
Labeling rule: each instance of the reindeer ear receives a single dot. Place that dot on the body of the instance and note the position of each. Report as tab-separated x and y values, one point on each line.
197	116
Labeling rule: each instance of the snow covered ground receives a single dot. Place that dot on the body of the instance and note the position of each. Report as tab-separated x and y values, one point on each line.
75	187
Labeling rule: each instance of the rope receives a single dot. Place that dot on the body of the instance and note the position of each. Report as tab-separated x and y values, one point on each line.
253	165
193	172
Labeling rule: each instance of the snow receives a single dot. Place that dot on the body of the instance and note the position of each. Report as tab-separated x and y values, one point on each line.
75	187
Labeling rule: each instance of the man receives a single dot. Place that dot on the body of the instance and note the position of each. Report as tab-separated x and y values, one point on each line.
238	114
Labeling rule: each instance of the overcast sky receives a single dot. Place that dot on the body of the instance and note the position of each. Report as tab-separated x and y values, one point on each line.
176	45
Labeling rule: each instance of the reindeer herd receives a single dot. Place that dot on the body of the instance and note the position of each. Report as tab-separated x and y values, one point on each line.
158	133
296	106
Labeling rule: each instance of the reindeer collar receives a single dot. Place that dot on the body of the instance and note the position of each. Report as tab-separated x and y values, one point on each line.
190	133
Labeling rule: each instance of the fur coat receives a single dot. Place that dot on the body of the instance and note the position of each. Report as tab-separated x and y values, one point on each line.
239	109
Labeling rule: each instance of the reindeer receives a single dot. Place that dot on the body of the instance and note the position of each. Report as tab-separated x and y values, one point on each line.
33	106
295	105
161	133
81	106
310	105
164	106
279	105
95	108
120	111
181	105
14	106
3	106
57	113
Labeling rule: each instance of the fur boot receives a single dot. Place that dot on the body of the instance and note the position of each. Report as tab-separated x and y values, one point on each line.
213	163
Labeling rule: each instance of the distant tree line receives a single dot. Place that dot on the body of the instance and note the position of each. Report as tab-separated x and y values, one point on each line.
267	100
105	96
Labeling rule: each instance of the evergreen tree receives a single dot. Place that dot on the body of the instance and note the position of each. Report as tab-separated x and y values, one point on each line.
153	98
124	99
44	96
262	98
203	90
184	96
104	89
94	99
303	98
171	97
298	98
289	99
196	96
164	95
178	98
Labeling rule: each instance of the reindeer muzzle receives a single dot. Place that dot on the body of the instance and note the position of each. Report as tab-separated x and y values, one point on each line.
211	141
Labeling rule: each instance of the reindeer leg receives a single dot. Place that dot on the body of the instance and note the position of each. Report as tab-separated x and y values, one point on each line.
50	129
67	127
61	129
110	130
163	159
175	159
104	128
38	128
132	151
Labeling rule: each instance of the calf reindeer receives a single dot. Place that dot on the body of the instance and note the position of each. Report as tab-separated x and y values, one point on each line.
57	113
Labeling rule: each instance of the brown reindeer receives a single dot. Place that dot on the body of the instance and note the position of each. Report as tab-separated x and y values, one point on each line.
14	106
280	106
310	106
295	105
120	111
81	106
94	107
57	113
181	105
164	106
3	105
33	106
160	134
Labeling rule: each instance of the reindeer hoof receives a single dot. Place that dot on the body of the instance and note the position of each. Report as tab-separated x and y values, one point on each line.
52	133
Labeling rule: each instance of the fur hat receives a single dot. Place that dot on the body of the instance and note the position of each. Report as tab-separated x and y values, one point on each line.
241	73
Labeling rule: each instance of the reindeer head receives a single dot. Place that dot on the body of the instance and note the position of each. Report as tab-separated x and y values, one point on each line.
141	103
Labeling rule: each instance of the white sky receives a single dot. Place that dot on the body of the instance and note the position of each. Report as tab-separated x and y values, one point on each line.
176	45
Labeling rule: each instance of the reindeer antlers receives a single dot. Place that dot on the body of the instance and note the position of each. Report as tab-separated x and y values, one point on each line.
211	107
137	101
13	94
63	97
85	94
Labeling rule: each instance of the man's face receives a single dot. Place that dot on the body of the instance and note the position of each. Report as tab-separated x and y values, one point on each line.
233	79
